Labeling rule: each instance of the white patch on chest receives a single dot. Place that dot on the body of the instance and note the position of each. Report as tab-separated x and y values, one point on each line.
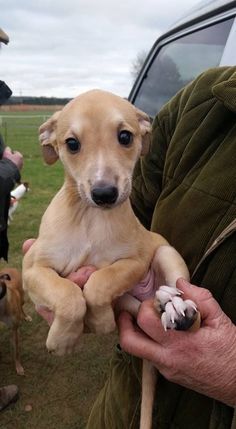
94	241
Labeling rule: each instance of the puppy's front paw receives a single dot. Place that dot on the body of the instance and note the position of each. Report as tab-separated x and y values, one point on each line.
19	368
65	342
175	312
66	329
100	320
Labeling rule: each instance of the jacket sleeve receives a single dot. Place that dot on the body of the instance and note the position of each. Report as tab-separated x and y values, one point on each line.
9	175
1	146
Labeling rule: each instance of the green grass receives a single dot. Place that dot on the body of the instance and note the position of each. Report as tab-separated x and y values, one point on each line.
60	390
44	181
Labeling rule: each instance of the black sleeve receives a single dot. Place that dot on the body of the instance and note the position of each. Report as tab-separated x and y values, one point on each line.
2	146
9	175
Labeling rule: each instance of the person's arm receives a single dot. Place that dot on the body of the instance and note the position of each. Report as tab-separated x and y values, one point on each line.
9	175
11	163
204	361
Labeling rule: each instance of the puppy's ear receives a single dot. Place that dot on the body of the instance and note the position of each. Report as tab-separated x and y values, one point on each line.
48	140
145	127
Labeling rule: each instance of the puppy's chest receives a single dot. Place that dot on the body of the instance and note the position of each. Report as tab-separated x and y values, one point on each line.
97	245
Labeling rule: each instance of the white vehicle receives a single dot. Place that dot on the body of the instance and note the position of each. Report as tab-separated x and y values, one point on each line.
205	38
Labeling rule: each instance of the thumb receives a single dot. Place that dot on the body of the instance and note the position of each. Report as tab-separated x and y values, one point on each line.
136	342
206	304
81	276
27	244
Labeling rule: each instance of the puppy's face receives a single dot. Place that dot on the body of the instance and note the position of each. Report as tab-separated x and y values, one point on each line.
98	136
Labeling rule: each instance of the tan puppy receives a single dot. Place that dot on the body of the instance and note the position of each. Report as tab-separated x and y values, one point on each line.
11	308
98	136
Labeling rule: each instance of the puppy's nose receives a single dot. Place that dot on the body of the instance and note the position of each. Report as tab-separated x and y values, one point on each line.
104	194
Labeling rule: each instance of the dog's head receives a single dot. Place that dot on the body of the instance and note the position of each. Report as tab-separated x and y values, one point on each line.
98	136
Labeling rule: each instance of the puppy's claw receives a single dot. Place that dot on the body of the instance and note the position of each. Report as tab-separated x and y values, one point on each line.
173	291
179	305
175	312
164	321
192	304
170	311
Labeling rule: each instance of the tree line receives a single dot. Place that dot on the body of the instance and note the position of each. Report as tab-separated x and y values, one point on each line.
37	100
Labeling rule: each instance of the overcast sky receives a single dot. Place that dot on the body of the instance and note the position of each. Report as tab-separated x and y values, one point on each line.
64	47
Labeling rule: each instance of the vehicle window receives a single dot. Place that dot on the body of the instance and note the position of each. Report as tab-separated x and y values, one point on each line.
179	62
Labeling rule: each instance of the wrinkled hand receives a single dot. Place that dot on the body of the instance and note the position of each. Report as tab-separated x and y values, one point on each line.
79	277
204	361
14	156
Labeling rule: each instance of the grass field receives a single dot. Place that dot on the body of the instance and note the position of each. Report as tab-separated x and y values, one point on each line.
60	391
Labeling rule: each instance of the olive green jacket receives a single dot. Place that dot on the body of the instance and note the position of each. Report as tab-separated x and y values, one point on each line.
185	189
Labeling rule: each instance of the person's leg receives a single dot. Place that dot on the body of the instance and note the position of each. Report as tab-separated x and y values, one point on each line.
118	403
8	395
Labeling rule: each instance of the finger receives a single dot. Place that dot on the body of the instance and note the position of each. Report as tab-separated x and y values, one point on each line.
206	304
27	244
137	343
81	276
7	149
149	321
45	313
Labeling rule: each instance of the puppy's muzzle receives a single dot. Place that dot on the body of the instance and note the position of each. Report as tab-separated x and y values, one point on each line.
104	195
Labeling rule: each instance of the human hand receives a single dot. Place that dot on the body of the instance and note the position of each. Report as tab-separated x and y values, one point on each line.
79	277
14	156
204	361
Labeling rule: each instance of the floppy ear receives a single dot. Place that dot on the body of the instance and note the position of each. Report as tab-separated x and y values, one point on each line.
145	127
47	138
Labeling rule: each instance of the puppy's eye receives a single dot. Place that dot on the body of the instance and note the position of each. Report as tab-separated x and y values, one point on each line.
125	137
73	145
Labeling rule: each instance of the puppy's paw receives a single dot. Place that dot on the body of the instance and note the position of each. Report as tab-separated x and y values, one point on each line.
19	368
27	318
175	312
100	320
66	329
65	342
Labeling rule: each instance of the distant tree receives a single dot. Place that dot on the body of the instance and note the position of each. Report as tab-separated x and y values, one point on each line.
168	70
138	63
37	100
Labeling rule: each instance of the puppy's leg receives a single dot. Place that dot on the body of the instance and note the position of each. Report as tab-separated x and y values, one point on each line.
65	299
169	266
18	366
102	289
149	373
175	312
149	378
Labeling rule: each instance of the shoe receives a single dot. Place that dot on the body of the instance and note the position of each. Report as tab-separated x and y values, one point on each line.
8	395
